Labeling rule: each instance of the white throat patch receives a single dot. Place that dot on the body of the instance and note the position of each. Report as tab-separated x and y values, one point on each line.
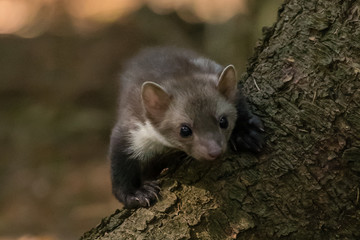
146	141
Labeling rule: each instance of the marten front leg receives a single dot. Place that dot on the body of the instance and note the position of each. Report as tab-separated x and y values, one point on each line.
248	128
128	184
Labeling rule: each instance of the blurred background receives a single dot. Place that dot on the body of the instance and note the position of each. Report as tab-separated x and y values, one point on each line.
59	61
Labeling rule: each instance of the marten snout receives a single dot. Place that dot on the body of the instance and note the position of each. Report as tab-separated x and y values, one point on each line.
208	150
214	153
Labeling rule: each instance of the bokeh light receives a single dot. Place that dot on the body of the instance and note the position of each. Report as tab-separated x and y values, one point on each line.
29	18
101	11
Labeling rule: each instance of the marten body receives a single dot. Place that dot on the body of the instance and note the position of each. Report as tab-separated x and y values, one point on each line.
174	100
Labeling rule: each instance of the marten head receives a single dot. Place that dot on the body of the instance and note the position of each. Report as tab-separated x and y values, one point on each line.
194	114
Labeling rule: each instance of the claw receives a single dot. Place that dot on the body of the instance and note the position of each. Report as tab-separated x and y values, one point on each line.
155	195
144	196
147	201
154	185
152	191
157	187
256	122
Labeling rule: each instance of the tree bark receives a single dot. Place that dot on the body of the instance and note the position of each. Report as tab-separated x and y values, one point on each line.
304	83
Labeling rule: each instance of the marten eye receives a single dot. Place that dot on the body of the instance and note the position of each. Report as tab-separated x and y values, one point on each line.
223	122
185	131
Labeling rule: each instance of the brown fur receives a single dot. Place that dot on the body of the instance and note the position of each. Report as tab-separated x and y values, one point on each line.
163	91
190	96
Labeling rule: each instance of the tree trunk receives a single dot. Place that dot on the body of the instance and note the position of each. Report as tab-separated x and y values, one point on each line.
304	83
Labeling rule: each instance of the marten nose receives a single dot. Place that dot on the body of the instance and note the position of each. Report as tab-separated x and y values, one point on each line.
209	150
214	152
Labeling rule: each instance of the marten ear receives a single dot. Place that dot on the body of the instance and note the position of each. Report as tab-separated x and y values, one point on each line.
155	99
227	84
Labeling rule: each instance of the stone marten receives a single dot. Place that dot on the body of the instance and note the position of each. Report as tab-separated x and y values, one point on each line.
174	100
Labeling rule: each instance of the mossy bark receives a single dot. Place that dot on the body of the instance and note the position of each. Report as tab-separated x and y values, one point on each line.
304	83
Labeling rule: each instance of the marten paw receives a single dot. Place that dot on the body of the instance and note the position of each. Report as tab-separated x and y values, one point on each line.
145	196
247	135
